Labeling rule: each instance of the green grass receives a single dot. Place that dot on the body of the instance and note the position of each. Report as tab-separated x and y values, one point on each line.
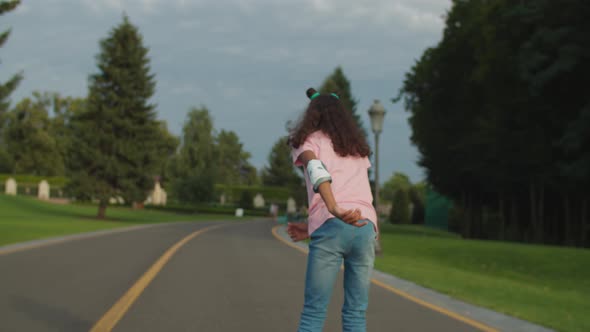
542	284
25	218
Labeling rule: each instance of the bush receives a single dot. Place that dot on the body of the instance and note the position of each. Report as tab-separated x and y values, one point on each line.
400	208
194	189
246	201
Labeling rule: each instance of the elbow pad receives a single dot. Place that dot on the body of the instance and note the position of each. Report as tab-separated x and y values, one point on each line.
318	173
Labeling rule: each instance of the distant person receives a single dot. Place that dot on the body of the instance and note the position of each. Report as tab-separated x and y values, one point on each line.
342	222
274	211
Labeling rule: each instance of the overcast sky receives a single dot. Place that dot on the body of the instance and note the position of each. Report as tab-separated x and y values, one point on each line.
248	61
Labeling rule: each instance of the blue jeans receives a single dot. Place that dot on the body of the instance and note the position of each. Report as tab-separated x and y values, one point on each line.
330	244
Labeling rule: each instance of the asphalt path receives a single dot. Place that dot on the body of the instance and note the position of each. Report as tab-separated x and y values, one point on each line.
237	277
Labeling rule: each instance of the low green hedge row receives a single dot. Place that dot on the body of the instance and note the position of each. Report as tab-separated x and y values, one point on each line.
233	193
207	209
28	185
33	180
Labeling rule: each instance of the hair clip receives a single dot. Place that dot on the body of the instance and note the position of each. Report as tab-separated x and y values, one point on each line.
314	95
335	96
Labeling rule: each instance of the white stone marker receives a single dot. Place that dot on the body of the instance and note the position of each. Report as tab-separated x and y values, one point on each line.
43	192
291	206
258	201
10	187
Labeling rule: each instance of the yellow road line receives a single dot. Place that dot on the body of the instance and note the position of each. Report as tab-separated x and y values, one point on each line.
118	310
292	245
434	307
405	295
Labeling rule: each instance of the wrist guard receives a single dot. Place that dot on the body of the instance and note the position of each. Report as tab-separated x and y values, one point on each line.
318	173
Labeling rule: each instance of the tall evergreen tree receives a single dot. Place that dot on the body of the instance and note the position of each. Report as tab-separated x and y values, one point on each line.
280	170
339	84
7	88
115	147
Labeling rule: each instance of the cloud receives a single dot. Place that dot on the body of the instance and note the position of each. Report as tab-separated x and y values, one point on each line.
185	88
145	5
237	57
414	14
22	9
189	24
231	50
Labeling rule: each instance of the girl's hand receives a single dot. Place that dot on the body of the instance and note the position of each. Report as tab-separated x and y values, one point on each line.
297	231
351	217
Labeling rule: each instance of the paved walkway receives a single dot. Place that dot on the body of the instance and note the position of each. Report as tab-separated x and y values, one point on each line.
182	277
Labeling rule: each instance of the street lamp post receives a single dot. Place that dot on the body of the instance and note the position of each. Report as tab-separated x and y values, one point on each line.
377	113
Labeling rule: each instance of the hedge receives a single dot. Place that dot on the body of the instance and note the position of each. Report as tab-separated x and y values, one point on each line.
28	185
279	195
33	180
207	209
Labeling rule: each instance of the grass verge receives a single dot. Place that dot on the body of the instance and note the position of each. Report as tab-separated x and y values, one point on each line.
25	218
543	284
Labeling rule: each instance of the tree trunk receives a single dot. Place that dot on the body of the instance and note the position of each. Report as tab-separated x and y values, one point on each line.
102	209
464	215
567	225
585	223
533	220
514	217
485	225
541	214
502	217
468	218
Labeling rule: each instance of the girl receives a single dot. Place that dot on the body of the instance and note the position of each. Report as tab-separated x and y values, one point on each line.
342	222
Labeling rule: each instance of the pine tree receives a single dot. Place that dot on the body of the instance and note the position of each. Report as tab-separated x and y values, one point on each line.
7	88
115	146
280	170
338	83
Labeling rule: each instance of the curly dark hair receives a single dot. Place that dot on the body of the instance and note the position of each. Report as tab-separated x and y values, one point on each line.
326	113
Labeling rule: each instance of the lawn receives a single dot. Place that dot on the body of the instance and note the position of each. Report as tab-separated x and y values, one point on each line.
543	284
25	218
